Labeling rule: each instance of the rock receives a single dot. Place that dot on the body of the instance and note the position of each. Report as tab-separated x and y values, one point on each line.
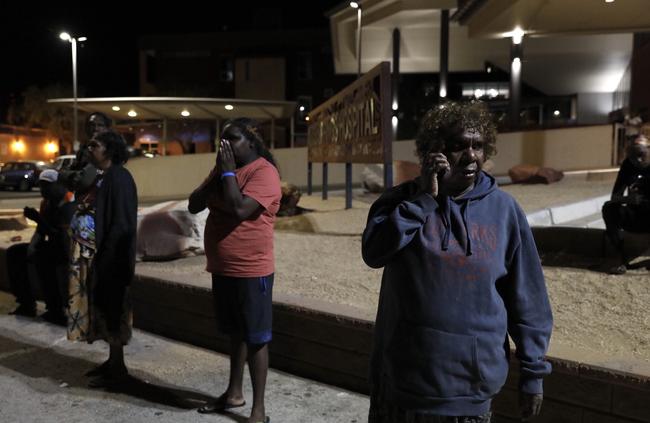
289	202
531	174
373	178
168	230
373	174
547	175
522	173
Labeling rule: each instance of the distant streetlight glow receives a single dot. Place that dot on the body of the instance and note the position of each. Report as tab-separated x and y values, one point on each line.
354	4
443	92
116	108
229	107
132	113
185	113
64	36
307	118
82	39
302	108
556	113
51	147
18	146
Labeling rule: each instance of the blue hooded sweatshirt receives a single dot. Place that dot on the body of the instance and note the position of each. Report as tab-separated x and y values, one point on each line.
459	276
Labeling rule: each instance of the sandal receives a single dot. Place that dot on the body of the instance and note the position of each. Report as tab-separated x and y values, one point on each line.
219	405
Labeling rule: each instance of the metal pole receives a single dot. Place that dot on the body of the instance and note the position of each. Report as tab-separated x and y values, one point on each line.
292	133
309	178
444	52
515	82
359	42
324	192
75	141
348	185
164	137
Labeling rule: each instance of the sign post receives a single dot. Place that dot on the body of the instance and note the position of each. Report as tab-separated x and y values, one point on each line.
354	126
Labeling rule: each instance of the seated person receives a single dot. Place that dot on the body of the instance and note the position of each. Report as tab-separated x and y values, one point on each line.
629	211
43	263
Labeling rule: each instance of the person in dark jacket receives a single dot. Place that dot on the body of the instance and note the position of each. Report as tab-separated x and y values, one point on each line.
103	233
629	207
42	262
461	273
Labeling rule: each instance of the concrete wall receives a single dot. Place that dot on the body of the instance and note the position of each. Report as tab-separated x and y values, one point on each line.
594	108
577	148
329	344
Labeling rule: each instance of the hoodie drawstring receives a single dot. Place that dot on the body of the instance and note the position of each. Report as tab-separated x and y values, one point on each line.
446	219
466	223
446	222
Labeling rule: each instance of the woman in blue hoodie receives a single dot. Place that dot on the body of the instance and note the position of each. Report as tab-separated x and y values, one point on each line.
461	273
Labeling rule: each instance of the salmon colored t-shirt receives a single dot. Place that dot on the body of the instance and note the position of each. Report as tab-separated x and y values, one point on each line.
244	249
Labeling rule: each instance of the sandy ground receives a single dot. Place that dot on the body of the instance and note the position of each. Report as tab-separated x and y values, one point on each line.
318	255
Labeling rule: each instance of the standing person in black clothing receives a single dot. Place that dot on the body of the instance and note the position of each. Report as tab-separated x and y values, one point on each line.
102	258
629	212
46	254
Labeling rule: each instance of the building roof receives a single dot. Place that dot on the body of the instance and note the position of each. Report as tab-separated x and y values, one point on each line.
158	108
570	46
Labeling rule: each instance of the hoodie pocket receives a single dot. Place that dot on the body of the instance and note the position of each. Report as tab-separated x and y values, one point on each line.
433	363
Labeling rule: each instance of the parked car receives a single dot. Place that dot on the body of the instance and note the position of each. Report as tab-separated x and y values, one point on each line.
63	162
21	176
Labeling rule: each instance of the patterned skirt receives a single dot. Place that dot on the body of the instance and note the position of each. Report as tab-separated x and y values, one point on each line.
86	321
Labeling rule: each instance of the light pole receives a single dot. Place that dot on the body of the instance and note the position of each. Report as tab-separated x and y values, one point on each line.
73	41
357	5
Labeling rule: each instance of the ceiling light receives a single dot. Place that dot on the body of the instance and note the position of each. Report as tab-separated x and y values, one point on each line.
354	4
228	107
116	108
185	113
132	113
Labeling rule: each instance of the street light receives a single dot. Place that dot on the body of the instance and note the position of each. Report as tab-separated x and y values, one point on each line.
73	41
357	5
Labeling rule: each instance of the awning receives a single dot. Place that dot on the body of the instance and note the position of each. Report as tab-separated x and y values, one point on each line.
177	108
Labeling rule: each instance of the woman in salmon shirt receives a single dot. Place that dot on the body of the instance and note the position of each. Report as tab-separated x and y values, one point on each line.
243	195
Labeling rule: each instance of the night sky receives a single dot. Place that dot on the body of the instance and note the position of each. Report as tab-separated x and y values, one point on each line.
33	54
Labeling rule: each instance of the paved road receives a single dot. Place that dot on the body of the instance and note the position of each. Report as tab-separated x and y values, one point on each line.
41	380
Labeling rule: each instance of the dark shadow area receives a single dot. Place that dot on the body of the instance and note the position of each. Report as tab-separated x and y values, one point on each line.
594	264
37	362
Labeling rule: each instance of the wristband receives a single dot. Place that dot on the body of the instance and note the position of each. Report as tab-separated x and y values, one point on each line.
223	175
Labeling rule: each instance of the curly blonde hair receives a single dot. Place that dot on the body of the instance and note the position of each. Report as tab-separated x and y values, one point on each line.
445	119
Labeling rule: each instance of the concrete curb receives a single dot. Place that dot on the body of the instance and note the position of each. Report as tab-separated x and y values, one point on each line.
562	214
